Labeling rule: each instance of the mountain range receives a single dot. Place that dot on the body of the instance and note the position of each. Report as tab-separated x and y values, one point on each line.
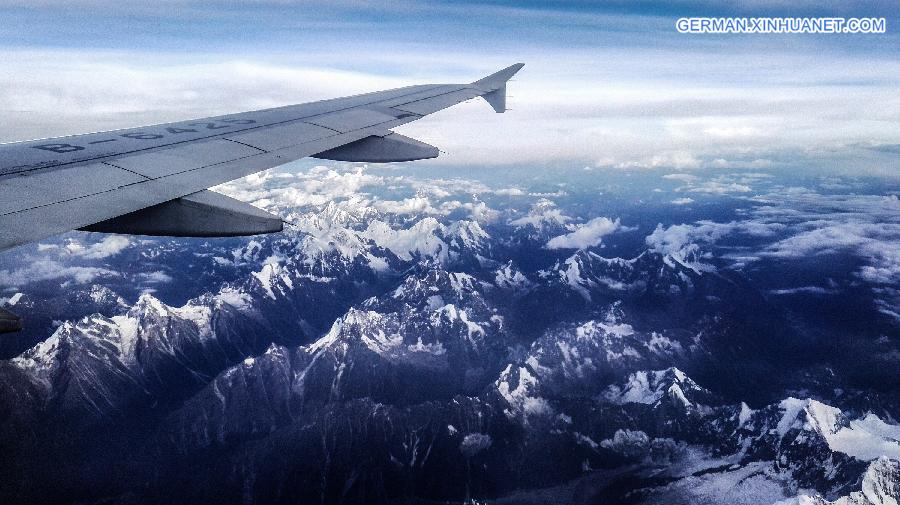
366	356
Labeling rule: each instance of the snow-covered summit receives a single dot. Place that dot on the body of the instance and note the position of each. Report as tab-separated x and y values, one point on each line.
594	276
867	438
544	216
653	386
880	486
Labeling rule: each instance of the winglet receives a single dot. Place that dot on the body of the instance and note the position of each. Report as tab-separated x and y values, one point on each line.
498	79
495	86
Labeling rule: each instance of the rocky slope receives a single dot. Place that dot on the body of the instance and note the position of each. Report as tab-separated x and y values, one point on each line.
365	361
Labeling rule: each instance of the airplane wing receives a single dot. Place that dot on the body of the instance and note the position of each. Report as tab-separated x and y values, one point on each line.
152	180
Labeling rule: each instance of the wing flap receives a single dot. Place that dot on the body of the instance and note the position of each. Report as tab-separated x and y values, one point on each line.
376	149
427	106
421	95
202	214
351	119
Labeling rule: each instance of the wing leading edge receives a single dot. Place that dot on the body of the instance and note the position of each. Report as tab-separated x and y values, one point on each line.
125	181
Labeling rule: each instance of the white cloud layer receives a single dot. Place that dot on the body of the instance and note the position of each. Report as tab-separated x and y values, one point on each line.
110	245
45	269
627	108
585	235
794	224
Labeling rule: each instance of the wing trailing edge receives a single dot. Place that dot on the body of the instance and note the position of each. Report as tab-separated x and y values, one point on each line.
392	147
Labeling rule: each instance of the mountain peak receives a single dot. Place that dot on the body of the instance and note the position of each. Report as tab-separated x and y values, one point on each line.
149	304
435	284
880	486
420	239
510	277
467	234
592	275
45	355
865	439
651	387
543	216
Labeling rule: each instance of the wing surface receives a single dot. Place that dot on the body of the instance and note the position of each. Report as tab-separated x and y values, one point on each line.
55	185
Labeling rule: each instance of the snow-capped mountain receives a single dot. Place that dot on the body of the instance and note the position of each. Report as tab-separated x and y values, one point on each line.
419	348
880	486
652	387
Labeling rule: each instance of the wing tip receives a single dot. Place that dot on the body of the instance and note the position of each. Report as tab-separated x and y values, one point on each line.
499	78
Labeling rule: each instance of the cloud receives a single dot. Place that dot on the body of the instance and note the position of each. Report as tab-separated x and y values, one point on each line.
877	243
678	160
585	235
443	188
667	240
314	187
44	270
637	100
682	201
682	243
157	277
795	224
162	88
108	246
414	205
866	226
355	187
825	239
719	188
479	211
721	184
888	301
802	290
509	192
543	213
756	163
680	177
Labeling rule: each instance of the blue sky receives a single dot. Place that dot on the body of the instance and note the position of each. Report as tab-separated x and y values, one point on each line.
607	84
